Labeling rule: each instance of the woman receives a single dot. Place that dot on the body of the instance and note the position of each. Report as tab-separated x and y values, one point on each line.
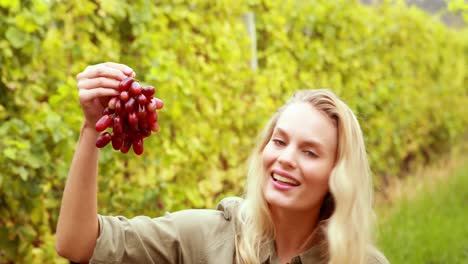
308	197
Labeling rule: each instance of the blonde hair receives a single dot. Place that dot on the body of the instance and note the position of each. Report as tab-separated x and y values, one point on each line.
347	217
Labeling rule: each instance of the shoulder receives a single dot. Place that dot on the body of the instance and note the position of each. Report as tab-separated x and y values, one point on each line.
226	208
182	224
195	234
184	219
207	220
376	257
229	206
207	230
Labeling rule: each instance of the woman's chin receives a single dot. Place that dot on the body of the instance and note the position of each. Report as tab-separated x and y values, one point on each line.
279	200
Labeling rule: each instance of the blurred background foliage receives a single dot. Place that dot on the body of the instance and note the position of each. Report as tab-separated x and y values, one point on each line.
402	71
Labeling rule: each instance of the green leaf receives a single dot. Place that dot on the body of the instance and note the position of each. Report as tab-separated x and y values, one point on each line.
3	112
7	245
11	4
26	23
16	37
10	153
23	173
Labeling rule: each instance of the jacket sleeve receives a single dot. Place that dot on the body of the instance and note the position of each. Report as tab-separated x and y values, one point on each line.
137	240
187	236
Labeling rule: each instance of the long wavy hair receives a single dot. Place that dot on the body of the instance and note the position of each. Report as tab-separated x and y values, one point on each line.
346	215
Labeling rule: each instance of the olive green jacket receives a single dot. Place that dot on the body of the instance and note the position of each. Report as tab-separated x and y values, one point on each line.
190	236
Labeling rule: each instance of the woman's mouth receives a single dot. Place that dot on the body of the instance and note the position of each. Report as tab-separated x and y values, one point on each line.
284	180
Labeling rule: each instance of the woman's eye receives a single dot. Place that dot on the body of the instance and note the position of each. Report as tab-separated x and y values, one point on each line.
310	153
278	142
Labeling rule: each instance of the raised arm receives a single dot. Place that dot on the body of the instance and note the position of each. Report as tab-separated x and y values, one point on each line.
77	227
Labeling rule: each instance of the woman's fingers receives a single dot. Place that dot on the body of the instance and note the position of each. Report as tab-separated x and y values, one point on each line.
89	94
98	82
124	68
101	70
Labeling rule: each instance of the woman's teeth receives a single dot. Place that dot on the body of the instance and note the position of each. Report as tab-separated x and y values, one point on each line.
277	177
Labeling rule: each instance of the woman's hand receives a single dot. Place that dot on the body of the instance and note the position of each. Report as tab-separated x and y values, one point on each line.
96	84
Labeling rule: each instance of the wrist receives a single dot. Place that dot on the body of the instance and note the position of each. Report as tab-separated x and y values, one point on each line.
87	128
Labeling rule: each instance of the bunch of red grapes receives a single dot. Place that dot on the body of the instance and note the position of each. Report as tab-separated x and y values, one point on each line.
131	116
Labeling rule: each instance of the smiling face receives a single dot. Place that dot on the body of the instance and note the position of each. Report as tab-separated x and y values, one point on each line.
299	158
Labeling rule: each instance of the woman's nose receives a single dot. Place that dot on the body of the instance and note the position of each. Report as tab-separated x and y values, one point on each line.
287	158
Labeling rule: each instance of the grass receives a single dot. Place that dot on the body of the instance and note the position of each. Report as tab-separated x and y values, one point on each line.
427	222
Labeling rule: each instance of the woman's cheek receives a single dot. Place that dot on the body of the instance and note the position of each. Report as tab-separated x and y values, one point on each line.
267	155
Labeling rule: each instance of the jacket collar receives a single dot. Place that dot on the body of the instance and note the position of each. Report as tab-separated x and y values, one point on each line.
312	255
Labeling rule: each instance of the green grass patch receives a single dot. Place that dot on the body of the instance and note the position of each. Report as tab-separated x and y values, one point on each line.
431	227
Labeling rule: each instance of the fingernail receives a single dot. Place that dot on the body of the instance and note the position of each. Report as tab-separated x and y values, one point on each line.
128	70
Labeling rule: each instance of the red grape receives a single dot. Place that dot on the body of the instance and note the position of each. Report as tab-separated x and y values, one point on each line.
118	125
135	89
142	124
141	112
124	96
142	99
118	107
148	91
151	106
103	139
130	105
133	120
112	102
159	103
103	123
117	142
138	146
127	143
131	116
125	84
146	132
155	127
151	118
